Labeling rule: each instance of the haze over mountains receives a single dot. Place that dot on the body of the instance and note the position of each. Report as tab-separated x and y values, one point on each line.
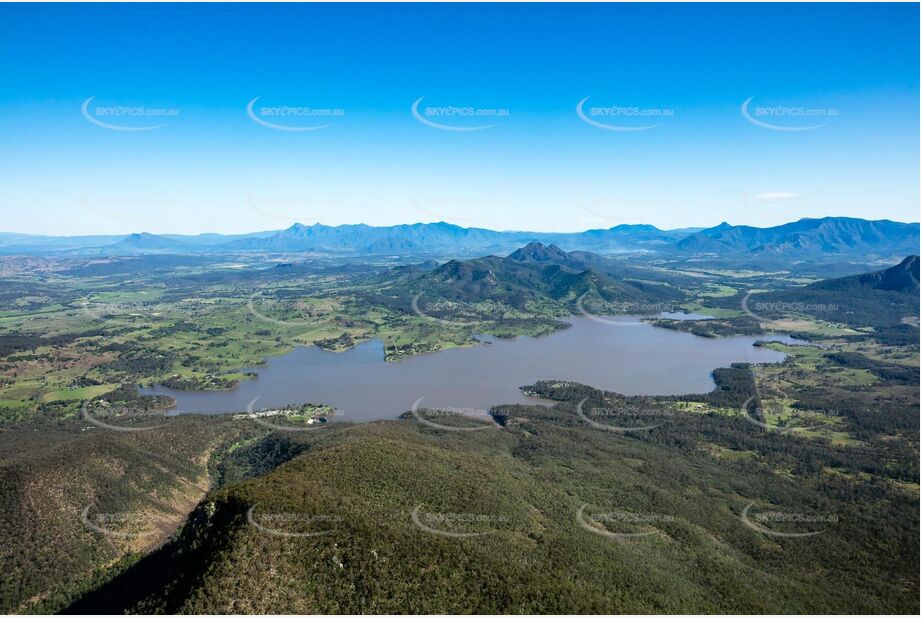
803	238
806	239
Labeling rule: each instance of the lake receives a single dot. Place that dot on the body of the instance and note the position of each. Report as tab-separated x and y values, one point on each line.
622	354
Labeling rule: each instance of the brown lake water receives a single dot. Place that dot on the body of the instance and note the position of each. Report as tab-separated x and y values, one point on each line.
621	354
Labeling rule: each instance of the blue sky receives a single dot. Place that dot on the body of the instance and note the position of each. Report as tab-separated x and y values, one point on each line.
848	71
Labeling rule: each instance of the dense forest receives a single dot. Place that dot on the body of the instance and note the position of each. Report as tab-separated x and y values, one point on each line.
527	482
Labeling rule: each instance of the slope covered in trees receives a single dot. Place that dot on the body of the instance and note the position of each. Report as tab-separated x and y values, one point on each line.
544	512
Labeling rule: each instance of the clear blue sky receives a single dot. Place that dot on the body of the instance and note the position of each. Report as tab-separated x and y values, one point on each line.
542	166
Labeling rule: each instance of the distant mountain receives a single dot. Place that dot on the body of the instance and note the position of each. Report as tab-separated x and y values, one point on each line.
212	240
146	243
624	238
138	243
419	238
537	271
539	253
30	244
880	299
366	239
807	239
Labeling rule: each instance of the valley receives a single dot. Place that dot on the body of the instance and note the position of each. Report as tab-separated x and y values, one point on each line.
584	410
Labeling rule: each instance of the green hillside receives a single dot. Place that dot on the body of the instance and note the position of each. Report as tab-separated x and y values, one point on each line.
540	273
79	502
545	513
879	299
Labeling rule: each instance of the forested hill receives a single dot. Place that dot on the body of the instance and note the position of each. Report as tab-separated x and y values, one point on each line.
540	512
878	299
902	277
538	271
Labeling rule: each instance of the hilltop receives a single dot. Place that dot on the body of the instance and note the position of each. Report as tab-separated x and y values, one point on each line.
888	297
540	272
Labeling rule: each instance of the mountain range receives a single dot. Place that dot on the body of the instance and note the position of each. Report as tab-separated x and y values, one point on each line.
803	240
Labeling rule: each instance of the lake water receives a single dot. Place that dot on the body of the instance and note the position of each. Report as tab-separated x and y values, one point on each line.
621	354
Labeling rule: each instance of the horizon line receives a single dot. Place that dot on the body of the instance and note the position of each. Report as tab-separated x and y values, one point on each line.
505	231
